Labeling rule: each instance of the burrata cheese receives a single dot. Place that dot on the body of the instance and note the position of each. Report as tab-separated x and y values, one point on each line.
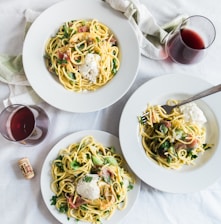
88	187
90	68
192	113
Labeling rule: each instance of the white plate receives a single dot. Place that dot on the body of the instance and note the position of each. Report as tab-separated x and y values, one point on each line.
157	91
49	88
102	137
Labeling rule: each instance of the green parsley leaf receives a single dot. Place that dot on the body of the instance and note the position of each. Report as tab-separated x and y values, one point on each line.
53	200
130	187
63	208
87	179
75	165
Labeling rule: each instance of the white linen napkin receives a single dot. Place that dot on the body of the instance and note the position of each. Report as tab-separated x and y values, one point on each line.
151	36
12	73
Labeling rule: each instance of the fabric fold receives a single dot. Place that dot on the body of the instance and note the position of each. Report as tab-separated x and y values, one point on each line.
12	73
151	36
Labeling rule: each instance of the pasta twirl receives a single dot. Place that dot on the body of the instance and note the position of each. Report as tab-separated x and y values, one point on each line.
84	54
89	181
171	140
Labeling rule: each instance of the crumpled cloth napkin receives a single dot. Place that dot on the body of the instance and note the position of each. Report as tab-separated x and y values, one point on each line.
151	36
12	73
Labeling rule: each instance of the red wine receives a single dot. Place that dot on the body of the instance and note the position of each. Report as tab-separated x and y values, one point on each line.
22	123
186	47
192	39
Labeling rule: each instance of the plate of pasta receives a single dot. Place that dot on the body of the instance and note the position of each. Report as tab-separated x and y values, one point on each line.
177	152
85	179
82	61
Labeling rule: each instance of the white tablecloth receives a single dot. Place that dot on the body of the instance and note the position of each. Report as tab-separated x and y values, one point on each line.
21	201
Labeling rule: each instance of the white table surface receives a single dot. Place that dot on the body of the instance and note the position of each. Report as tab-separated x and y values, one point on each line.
21	201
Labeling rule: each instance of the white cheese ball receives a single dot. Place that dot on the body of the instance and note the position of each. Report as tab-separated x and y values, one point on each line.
88	187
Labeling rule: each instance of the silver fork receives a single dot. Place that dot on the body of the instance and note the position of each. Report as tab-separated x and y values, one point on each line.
168	108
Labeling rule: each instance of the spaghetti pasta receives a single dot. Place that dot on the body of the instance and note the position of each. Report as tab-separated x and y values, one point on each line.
169	139
84	54
89	181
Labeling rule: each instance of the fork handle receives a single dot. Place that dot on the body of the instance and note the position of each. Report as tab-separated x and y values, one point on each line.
202	94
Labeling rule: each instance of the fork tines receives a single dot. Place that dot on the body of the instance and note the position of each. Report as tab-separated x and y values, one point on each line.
143	118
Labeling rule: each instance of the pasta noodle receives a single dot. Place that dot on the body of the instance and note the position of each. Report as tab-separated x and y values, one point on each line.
169	139
83	54
89	181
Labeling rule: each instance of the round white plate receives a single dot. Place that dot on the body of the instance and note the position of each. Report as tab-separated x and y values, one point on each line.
102	137
48	87
158	91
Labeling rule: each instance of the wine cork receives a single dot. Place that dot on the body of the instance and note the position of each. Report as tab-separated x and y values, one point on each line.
26	168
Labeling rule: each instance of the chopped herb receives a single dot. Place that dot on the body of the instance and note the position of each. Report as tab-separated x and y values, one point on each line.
53	200
72	75
206	146
59	157
165	145
194	156
114	69
107	211
81	46
130	187
61	61
59	164
163	129
191	155
84	207
97	161
178	134
114	52
172	150
63	208
169	159
107	179
87	179
66	29
75	165
112	149
163	149
111	160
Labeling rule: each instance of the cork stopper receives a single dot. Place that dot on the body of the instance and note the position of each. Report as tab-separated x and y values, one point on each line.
26	168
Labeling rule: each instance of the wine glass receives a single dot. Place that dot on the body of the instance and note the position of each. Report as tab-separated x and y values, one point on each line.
189	43
27	125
